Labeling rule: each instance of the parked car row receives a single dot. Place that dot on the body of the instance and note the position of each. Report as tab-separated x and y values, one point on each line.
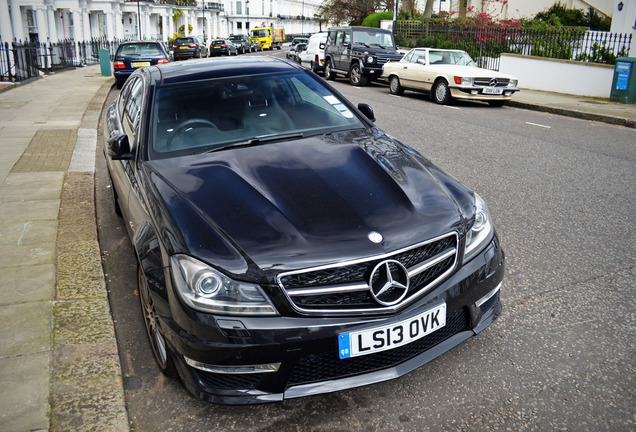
365	54
234	45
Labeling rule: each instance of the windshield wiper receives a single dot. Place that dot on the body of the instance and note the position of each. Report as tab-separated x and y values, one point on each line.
256	141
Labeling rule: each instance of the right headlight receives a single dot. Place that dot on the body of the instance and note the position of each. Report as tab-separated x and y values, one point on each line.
208	290
480	234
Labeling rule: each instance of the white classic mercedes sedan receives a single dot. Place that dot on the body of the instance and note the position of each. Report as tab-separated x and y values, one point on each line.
448	74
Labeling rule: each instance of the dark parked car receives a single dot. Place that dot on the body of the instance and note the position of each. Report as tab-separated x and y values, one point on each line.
287	246
130	56
188	47
358	53
255	45
242	43
294	53
223	47
292	46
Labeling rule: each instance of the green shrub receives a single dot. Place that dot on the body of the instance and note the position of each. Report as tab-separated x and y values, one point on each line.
374	19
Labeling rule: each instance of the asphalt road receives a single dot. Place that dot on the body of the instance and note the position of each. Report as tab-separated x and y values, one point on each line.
563	354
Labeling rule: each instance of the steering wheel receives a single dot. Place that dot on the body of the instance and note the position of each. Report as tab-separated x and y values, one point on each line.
188	123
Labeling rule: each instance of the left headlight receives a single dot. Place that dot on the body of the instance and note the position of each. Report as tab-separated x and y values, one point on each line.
208	290
370	59
480	234
513	83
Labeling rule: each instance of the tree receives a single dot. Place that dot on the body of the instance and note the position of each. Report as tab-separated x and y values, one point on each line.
349	11
428	9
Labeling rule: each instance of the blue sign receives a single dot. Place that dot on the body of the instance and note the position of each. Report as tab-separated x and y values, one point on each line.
623	69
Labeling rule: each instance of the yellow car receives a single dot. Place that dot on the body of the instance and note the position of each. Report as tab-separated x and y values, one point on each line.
446	75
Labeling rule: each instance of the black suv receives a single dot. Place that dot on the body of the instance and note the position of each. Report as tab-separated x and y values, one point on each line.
242	43
358	52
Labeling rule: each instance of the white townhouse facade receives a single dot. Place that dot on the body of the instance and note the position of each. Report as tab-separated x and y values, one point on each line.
516	9
83	20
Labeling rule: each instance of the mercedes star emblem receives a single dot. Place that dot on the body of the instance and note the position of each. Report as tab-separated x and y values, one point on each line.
389	282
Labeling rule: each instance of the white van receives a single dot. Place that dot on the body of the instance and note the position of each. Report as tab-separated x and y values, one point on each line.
314	56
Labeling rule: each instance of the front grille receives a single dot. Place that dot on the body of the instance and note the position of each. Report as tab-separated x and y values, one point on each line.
382	59
486	82
344	288
327	365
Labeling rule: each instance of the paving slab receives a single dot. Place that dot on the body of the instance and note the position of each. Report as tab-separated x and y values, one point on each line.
25	384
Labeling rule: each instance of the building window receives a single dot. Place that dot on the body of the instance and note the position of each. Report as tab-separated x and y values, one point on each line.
239	8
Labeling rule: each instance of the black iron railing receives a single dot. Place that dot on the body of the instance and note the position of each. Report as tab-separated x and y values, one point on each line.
485	44
22	61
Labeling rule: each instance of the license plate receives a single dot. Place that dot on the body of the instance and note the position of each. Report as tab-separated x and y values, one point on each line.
391	336
493	90
217	47
184	47
140	64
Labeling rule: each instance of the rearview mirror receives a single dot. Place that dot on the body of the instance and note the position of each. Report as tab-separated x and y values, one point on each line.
119	148
367	111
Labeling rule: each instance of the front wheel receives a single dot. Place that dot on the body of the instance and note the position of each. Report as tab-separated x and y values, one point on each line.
151	319
441	93
356	77
329	73
394	86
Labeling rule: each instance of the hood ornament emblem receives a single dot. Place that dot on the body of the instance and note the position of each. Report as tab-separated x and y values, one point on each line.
389	282
375	237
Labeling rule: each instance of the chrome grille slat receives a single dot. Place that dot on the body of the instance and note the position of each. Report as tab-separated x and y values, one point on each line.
343	288
485	81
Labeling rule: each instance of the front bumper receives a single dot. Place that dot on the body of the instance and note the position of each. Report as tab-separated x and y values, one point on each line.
305	349
477	93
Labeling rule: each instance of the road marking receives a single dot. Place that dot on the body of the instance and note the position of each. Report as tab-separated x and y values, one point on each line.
451	107
540	125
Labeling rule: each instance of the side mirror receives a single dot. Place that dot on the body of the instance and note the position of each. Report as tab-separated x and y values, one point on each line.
119	148
367	111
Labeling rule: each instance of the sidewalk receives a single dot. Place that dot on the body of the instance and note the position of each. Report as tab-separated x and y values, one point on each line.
59	366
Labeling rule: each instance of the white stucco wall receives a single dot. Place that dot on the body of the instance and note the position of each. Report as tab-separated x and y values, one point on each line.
561	76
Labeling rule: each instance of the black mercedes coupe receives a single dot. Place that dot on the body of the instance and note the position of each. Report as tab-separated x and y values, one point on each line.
286	245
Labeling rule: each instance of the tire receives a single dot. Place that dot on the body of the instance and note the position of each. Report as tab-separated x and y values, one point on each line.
115	198
441	93
329	73
160	350
394	86
119	84
356	77
497	103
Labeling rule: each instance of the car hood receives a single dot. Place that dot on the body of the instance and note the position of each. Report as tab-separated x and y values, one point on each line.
305	202
468	71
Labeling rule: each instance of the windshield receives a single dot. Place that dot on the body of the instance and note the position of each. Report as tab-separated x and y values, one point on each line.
142	49
183	41
236	38
259	33
204	116
373	37
460	58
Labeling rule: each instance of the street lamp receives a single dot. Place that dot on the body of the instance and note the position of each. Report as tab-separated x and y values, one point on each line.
203	12
139	18
247	12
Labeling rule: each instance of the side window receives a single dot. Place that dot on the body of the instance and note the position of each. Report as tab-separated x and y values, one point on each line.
132	111
408	58
339	38
331	38
347	38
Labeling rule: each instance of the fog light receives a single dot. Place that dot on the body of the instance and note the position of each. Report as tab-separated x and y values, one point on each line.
474	92
238	369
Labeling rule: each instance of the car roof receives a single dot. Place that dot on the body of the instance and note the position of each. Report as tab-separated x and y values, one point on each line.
437	49
197	70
